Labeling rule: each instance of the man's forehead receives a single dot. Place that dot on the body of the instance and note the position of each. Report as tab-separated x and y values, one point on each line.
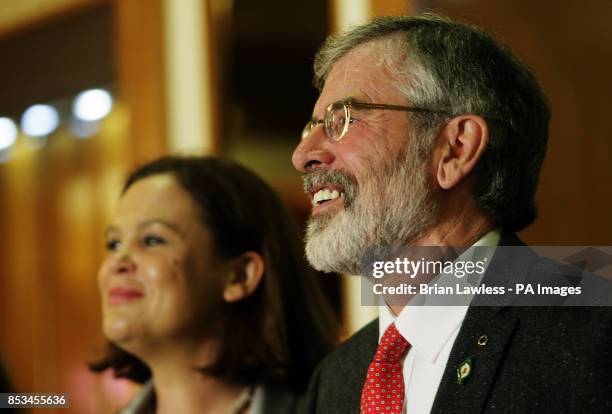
363	73
367	59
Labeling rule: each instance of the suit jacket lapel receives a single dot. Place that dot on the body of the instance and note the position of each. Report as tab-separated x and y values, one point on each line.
491	327
354	384
337	384
471	395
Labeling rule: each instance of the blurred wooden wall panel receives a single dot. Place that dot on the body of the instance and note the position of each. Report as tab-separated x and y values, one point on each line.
20	293
140	74
391	7
20	15
56	203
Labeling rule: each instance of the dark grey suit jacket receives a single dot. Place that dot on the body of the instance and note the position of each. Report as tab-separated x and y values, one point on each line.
537	359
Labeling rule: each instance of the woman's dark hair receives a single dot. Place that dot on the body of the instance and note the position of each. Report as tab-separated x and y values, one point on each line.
281	331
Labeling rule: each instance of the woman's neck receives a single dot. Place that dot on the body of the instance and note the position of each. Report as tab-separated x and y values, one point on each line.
181	388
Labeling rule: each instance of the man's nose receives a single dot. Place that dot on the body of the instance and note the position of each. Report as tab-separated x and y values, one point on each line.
313	152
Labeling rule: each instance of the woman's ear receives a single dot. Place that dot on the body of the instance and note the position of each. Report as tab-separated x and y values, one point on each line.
245	275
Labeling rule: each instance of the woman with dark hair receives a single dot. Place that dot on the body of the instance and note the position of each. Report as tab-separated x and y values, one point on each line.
206	297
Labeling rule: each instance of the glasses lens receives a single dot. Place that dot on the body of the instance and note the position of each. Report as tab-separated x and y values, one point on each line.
307	129
335	120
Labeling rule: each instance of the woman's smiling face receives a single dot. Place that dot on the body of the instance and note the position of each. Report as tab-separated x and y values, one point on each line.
160	278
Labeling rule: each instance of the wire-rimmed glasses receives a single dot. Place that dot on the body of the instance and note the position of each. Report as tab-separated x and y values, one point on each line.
337	116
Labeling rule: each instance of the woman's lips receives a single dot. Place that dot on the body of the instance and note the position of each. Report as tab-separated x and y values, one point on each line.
119	295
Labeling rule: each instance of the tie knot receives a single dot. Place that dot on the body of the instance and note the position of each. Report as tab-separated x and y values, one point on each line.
392	346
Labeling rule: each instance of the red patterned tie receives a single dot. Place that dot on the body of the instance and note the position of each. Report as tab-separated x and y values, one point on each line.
383	391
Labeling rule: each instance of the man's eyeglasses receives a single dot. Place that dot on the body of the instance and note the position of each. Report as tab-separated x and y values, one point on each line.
338	117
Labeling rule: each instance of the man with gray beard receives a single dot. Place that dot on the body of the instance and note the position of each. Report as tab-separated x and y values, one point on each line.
427	132
394	205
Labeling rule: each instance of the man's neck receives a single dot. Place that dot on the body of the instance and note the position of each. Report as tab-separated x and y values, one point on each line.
456	231
453	230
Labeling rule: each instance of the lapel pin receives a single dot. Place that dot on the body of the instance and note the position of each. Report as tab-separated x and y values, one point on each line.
482	341
464	370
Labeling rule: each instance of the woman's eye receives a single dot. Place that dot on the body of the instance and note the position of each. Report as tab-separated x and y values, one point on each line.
151	240
113	245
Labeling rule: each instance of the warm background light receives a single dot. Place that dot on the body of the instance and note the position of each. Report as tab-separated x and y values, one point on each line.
8	133
92	105
39	120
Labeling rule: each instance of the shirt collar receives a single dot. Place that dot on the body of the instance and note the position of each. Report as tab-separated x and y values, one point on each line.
142	401
428	328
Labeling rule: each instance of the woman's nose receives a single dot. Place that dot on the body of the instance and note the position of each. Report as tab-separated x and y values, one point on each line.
124	263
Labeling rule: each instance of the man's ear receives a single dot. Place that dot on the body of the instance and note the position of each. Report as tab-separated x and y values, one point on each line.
461	143
245	275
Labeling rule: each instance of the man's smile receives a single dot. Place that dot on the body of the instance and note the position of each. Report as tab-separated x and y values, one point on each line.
326	196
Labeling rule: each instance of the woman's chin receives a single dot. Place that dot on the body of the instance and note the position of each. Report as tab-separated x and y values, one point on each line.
119	331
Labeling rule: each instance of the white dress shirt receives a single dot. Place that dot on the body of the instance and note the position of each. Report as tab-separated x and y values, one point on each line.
431	332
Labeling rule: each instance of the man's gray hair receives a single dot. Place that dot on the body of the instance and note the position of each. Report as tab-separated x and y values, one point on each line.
442	64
